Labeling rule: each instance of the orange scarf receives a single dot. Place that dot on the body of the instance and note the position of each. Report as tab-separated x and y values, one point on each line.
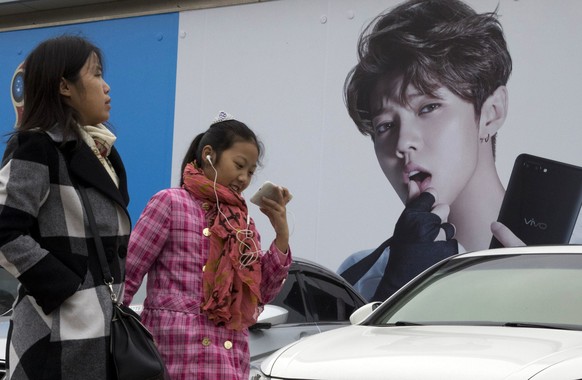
232	275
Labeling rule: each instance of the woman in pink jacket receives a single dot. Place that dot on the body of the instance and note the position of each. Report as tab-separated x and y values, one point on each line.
207	275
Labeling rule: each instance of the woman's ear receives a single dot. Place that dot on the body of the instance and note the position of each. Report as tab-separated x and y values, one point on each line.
493	112
64	88
207	151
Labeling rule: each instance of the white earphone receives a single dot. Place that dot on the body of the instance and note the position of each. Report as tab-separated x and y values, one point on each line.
209	158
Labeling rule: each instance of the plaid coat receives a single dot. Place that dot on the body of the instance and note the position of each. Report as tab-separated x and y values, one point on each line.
60	323
168	244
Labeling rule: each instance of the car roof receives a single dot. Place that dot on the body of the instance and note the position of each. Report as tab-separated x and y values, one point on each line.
526	250
299	263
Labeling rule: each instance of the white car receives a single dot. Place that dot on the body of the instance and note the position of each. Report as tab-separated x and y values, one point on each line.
509	313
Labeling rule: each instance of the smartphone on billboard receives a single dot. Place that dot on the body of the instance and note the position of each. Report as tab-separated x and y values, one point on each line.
542	201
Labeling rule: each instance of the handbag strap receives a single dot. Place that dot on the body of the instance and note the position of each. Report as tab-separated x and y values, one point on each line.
353	273
107	277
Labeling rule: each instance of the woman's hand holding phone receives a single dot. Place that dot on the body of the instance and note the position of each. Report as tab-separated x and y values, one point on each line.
271	191
272	200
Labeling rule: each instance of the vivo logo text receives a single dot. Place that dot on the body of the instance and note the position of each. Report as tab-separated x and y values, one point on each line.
531	222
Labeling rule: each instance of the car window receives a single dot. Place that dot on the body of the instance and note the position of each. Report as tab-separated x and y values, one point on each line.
527	289
8	292
331	300
290	298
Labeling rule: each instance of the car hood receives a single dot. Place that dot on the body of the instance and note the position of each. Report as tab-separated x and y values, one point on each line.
425	352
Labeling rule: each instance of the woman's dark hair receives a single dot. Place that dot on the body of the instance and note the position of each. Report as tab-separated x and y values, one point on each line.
44	68
431	43
220	136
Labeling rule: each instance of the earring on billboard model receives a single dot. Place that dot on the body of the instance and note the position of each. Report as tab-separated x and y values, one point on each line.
484	139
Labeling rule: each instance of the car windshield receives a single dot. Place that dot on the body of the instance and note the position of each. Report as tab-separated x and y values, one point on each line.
518	290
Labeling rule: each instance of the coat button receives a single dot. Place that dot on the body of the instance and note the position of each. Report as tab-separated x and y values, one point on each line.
206	342
206	232
205	206
228	344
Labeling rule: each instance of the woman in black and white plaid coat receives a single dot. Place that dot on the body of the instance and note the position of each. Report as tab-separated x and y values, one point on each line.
60	323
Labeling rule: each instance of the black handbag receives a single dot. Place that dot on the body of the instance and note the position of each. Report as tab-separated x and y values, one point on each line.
132	347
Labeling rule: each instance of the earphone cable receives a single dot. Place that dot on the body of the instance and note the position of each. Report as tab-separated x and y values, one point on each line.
247	258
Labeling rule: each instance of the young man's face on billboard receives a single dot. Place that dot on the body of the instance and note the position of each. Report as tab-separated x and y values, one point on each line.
431	141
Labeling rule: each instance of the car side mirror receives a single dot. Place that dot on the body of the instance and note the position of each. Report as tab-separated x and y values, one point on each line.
363	312
273	315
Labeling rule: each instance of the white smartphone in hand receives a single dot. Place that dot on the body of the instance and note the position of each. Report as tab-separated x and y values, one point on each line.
269	190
